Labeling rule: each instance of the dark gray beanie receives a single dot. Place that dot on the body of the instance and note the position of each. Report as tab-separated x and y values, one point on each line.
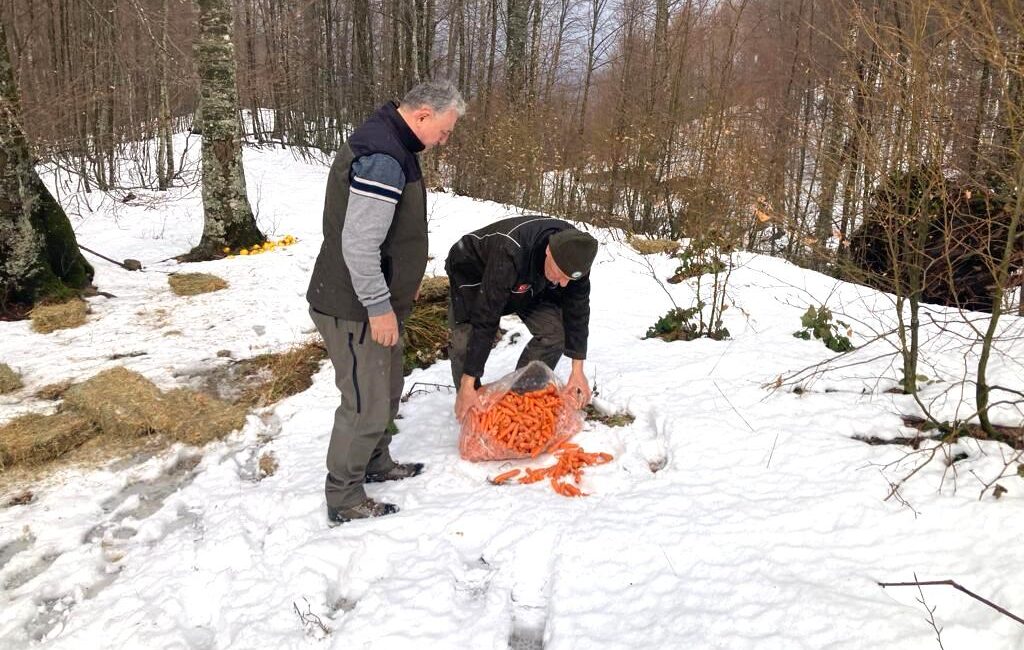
573	251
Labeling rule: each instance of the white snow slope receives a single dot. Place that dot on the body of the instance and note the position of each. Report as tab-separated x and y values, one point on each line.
733	515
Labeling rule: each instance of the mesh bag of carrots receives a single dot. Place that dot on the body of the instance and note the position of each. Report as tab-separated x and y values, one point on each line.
522	415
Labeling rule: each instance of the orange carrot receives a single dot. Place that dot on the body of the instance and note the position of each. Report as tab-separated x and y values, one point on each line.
570	459
519	425
501	478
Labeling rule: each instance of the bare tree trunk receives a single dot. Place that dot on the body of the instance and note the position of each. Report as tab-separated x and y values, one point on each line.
412	47
362	55
465	72
165	142
342	80
596	14
534	65
852	152
455	11
556	50
39	256
660	67
228	220
974	143
425	23
1011	118
489	84
515	50
829	162
984	389
391	75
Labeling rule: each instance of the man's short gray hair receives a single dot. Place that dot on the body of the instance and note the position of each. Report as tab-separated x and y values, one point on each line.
439	96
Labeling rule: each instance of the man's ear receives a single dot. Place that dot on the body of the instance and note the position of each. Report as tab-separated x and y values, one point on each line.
422	113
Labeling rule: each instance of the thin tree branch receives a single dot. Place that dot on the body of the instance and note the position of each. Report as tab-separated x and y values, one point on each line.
951	583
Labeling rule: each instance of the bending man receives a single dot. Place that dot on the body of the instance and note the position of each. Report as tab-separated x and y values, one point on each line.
535	267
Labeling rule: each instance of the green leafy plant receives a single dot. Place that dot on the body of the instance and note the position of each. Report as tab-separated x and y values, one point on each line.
678	324
695	261
817	323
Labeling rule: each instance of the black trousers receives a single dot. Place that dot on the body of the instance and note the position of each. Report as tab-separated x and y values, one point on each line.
543	319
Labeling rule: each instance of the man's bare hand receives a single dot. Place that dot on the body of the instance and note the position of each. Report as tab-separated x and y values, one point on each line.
384	329
578	388
466	400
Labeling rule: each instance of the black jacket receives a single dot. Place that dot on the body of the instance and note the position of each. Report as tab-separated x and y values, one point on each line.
499	270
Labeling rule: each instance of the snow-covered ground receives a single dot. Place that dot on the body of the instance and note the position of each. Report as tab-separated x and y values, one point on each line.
733	515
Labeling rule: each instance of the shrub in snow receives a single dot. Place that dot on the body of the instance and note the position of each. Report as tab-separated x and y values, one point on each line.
817	322
678	324
695	263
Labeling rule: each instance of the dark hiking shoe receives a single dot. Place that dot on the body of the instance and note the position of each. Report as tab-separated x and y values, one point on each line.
364	510
396	473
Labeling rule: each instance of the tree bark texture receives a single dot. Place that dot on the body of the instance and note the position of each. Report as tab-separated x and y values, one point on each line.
39	256
228	221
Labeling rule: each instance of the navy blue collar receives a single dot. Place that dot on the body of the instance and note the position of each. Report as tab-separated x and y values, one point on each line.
389	113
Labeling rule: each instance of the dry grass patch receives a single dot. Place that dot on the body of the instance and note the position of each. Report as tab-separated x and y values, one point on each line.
114	414
646	246
49	318
272	377
192	284
434	289
196	419
426	329
121	402
10	381
99	450
426	336
54	391
268	464
124	403
264	379
34	438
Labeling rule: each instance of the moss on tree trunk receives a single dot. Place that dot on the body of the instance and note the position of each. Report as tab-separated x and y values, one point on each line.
39	255
228	221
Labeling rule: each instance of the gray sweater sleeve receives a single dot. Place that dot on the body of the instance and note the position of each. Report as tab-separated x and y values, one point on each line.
375	186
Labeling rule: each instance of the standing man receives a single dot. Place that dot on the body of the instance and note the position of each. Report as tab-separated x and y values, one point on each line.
365	280
535	267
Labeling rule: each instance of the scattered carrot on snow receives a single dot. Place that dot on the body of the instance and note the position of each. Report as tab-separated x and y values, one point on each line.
501	478
570	461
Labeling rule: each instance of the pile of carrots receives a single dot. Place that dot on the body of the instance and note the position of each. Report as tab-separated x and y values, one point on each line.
570	461
518	425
